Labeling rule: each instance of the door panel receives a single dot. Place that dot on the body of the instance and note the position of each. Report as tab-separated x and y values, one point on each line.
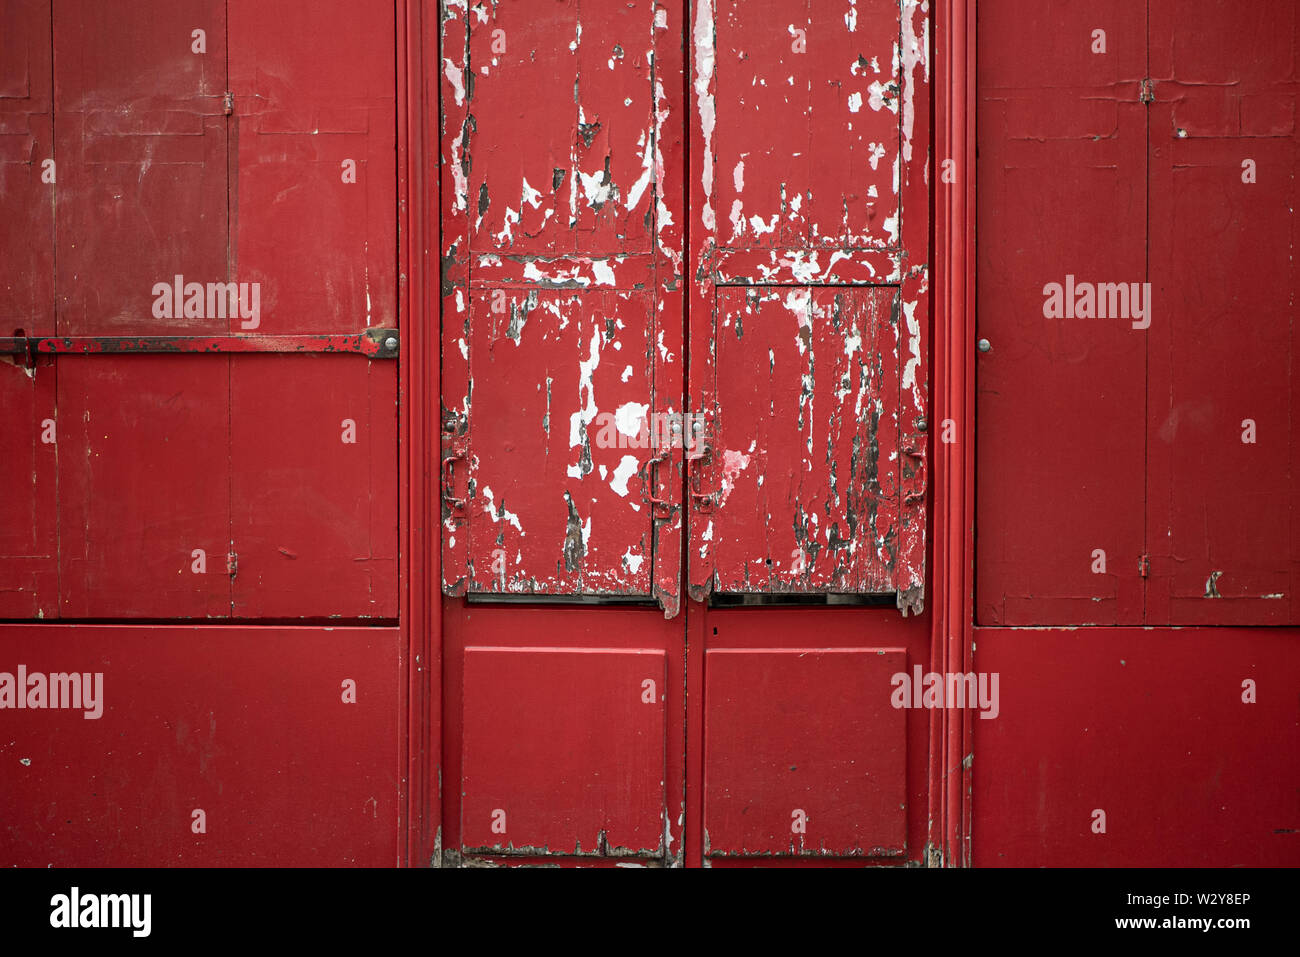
29	543
313	486
1060	400
141	149
803	468
556	471
26	178
827	76
564	751
144	487
575	84
803	755
315	128
1222	518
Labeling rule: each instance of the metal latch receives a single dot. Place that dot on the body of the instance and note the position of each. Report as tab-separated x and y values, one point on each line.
373	343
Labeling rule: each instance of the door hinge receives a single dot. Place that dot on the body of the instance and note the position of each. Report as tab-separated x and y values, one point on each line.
232	564
228	102
1144	565
1146	90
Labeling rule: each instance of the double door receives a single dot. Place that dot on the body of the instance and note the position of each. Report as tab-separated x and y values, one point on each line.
684	319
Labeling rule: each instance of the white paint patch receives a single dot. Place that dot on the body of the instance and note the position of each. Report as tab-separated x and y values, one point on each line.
799	301
738	176
647	169
490	507
627	374
664	354
891	226
458	172
855	102
456	78
629	416
530	196
626	469
593	186
704	61
876	97
579	420
633	563
603	272
733	463
913	345
737	219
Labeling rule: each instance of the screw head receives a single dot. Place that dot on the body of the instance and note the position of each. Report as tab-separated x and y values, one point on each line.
391	343
985	346
922	424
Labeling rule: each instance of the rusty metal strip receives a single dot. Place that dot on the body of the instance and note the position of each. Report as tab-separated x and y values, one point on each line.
373	343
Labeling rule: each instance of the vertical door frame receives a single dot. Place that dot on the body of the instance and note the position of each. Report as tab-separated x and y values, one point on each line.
419	389
954	357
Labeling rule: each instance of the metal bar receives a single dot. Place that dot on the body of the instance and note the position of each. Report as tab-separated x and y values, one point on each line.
373	343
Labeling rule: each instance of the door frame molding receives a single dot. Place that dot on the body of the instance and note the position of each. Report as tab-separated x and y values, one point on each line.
420	598
953	374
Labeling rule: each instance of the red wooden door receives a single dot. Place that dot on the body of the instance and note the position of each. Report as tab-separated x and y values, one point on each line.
575	451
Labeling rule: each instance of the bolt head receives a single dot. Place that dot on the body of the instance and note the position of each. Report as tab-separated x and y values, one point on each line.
985	346
391	343
922	424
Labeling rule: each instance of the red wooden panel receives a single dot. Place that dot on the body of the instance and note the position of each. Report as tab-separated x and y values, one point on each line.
141	151
144	486
314	486
1149	726
247	725
1060	448
315	181
803	753
1222	520
804	465
564	751
574	83
28	519
26	178
561	380
807	124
